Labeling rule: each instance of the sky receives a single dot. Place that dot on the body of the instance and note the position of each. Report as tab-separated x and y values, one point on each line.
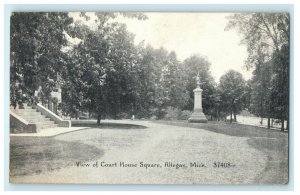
193	33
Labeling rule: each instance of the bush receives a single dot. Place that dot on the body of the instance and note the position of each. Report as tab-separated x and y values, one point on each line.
153	117
185	115
123	115
177	114
172	113
158	112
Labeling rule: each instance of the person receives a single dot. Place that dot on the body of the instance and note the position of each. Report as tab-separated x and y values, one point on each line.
132	118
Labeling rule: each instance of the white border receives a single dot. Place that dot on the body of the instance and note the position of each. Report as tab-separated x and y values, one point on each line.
296	66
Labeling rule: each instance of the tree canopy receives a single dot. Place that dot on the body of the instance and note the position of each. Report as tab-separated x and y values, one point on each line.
104	73
267	37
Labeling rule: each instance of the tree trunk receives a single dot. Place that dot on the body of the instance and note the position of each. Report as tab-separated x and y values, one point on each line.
282	124
269	123
49	104
234	115
230	116
287	124
98	119
272	123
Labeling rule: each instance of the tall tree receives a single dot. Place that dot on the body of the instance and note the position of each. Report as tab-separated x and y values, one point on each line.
260	97
267	35
107	60
232	89
36	58
280	85
261	30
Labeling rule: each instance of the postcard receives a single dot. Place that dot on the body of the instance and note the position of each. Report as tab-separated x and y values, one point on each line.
149	97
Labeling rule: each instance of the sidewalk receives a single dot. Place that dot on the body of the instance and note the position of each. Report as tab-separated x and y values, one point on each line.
50	132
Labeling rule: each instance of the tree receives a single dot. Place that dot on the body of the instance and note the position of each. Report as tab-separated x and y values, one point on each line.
260	96
79	75
280	85
174	82
266	36
231	89
261	30
36	58
107	65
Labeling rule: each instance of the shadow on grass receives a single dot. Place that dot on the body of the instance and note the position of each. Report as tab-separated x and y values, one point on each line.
232	129
34	155
276	150
107	125
274	144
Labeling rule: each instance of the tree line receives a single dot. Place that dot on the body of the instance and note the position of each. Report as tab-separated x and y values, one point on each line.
106	75
267	37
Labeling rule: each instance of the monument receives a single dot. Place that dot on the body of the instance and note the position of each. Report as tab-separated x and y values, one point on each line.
198	116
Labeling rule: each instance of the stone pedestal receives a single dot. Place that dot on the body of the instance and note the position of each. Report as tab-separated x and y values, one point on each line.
198	116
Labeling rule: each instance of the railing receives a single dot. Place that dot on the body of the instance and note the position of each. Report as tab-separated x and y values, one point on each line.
53	116
19	124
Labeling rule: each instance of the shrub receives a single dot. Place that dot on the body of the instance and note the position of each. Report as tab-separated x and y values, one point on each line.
153	117
177	114
159	113
185	115
123	115
172	113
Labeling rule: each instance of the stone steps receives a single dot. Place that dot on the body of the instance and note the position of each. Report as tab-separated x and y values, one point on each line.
35	117
43	122
24	110
43	126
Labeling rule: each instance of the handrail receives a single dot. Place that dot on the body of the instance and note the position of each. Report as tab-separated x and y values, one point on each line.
53	116
17	122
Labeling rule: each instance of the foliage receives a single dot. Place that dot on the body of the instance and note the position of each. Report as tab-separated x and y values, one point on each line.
280	84
261	32
177	114
231	90
266	36
36	58
185	115
106	75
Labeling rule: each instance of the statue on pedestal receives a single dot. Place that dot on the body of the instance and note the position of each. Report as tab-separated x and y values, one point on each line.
198	80
198	115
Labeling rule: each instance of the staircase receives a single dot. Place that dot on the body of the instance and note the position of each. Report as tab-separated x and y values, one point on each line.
33	116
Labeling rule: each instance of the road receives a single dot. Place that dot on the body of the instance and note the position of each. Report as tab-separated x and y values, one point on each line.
158	144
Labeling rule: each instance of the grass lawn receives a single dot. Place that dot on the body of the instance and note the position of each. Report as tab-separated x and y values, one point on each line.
277	153
232	129
34	155
105	125
271	142
150	141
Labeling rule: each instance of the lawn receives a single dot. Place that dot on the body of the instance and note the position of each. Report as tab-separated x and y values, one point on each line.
232	129
34	155
261	155
273	143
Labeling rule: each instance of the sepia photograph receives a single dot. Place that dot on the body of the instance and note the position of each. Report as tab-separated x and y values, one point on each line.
149	98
